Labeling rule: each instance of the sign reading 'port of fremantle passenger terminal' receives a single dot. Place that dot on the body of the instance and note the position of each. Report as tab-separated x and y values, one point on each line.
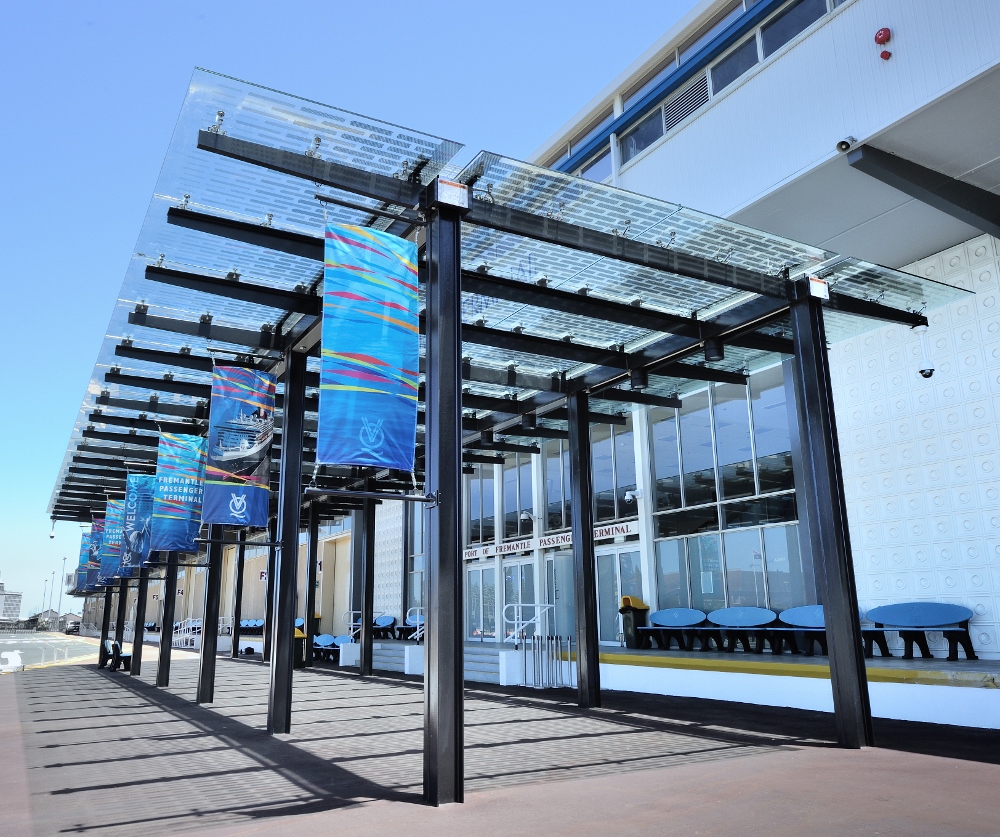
238	471
563	539
180	487
369	373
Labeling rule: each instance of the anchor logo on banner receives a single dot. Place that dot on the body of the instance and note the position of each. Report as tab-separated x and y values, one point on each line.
372	437
238	507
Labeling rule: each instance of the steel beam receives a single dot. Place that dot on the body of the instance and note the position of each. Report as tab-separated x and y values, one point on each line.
624	396
265	338
120	451
970	204
167	622
210	624
366	634
184	360
154	405
444	762
241	552
202	391
102	654
137	439
821	504
279	705
312	560
691	372
139	633
293	301
120	619
588	671
192	428
272	559
873	310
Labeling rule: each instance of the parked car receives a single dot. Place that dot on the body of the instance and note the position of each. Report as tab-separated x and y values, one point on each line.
72	627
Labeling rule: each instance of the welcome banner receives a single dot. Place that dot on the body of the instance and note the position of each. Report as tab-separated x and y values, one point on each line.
180	488
111	547
369	370
137	522
81	567
240	431
94	561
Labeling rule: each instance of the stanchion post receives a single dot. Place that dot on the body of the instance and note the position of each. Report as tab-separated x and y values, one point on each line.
241	552
139	634
210	623
167	622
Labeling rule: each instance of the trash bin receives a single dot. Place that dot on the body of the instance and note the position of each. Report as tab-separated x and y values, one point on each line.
633	611
299	661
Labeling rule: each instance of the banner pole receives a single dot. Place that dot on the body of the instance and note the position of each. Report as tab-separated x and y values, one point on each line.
311	576
210	623
122	604
234	652
102	654
167	624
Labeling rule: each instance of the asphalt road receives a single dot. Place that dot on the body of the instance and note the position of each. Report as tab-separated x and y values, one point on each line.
45	647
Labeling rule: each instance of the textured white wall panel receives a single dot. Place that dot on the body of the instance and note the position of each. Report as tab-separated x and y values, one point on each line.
785	117
389	558
922	458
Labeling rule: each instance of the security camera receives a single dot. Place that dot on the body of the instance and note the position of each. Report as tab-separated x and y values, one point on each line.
846	144
632	496
926	369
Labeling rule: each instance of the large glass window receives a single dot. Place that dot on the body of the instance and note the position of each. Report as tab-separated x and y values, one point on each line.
734	65
666	464
732	441
789	582
517	495
602	454
643	135
559	584
636	94
724	18
415	556
557	498
481	505
480	605
708	591
772	438
599	168
671	574
789	22
696	449
745	568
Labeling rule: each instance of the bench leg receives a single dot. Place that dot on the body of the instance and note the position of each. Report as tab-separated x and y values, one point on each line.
956	638
883	644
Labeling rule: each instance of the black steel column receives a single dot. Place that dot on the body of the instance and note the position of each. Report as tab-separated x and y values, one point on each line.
140	621
234	652
444	734
581	477
279	704
821	504
272	552
167	622
367	588
122	603
311	575
102	655
210	622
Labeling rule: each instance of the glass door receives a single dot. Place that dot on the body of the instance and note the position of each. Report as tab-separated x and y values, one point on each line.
618	574
518	589
480	605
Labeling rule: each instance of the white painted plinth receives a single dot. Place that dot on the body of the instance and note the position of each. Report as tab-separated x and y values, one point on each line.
413	659
350	654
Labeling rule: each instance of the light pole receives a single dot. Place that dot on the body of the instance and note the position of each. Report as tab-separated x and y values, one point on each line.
52	589
59	614
45	587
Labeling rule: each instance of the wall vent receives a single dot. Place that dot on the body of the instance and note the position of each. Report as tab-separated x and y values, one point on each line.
685	102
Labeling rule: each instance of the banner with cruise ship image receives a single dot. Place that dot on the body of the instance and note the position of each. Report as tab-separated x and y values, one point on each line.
240	430
369	373
111	545
81	567
180	488
94	561
137	521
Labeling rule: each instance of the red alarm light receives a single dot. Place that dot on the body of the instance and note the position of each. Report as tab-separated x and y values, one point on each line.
882	36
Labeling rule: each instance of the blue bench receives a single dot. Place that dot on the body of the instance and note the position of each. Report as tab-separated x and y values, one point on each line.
300	622
808	621
913	620
324	646
670	625
385	627
739	624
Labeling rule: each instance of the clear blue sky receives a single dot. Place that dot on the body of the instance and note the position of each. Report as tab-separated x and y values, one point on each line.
89	97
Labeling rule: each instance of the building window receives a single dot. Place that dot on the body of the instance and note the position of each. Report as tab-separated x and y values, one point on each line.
481	605
666	464
770	402
613	453
734	65
481	505
556	465
517	495
789	22
643	135
668	69
599	168
725	17
697	458
415	556
733	449
603	122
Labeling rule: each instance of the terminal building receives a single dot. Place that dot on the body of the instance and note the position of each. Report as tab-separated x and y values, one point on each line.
864	127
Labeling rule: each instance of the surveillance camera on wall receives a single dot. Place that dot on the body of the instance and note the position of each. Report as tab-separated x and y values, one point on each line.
632	496
926	369
846	144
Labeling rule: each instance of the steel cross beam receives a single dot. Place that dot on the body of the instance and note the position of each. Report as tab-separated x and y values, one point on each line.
154	405
124	438
193	428
186	360
202	391
120	451
294	301
265	338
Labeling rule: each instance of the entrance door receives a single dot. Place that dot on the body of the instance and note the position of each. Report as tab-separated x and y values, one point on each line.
618	574
481	604
518	589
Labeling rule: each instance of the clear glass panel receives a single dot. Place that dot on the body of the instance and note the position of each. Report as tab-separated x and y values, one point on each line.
625	467
792	20
604	474
666	464
705	558
582	140
526	527
671	574
598	169
687	522
528	592
732	441
727	17
667	70
511	595
608	600
553	486
415	593
734	65
489	503
696	450
789	582
475	510
567	509
565	611
643	135
631	574
416	528
511	512
745	569
474	606
489	603
771	435
776	508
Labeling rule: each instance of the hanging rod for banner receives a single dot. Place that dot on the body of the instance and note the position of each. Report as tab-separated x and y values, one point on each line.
413	220
378	496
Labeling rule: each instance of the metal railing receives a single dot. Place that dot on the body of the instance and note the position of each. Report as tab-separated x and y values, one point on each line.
547	661
416	614
536	623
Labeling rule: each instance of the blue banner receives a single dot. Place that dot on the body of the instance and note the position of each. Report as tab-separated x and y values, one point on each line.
240	430
180	488
369	372
111	547
94	561
137	522
81	567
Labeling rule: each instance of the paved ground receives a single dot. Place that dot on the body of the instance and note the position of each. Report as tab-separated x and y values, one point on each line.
102	753
46	648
